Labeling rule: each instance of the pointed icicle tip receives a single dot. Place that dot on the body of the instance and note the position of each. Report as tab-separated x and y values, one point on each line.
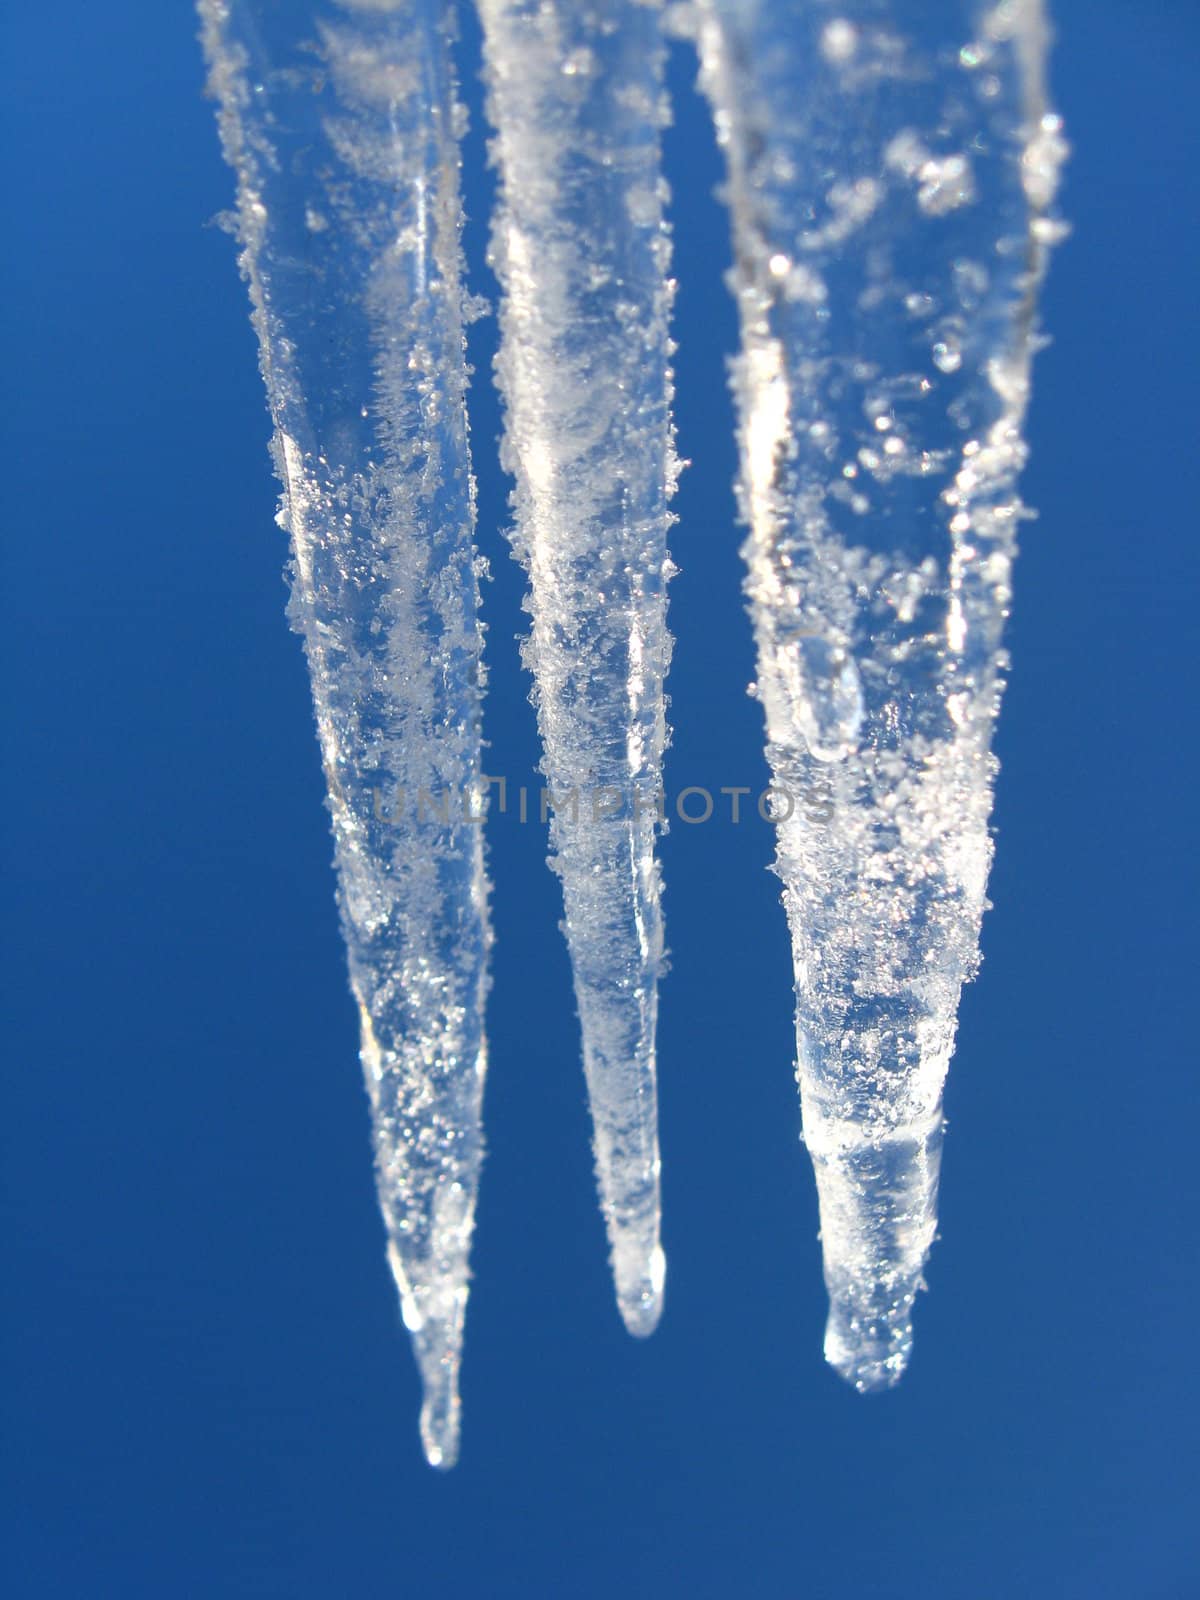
440	1413
437	1338
871	1352
640	1290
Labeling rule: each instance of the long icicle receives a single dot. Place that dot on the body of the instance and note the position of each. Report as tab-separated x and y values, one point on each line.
891	166
340	122
581	250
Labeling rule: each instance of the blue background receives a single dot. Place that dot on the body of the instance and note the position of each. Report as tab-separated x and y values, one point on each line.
208	1390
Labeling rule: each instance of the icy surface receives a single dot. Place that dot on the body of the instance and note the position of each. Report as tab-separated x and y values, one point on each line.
581	250
340	122
891	165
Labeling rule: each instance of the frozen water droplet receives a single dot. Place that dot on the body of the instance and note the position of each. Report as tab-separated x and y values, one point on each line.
817	692
947	357
839	41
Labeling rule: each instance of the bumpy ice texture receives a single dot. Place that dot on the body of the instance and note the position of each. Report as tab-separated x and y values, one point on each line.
340	121
581	250
891	168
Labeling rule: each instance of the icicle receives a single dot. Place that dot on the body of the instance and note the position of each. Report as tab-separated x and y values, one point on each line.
339	120
891	166
581	251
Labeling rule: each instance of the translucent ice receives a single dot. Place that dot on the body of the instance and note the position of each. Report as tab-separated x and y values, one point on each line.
581	250
340	122
892	171
890	166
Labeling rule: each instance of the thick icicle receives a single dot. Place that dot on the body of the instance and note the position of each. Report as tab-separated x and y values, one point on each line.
340	121
891	166
581	251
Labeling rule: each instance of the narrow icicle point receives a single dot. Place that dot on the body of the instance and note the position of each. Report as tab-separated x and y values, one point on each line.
340	123
581	251
891	169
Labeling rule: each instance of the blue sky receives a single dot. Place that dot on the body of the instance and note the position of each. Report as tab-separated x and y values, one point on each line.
208	1390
